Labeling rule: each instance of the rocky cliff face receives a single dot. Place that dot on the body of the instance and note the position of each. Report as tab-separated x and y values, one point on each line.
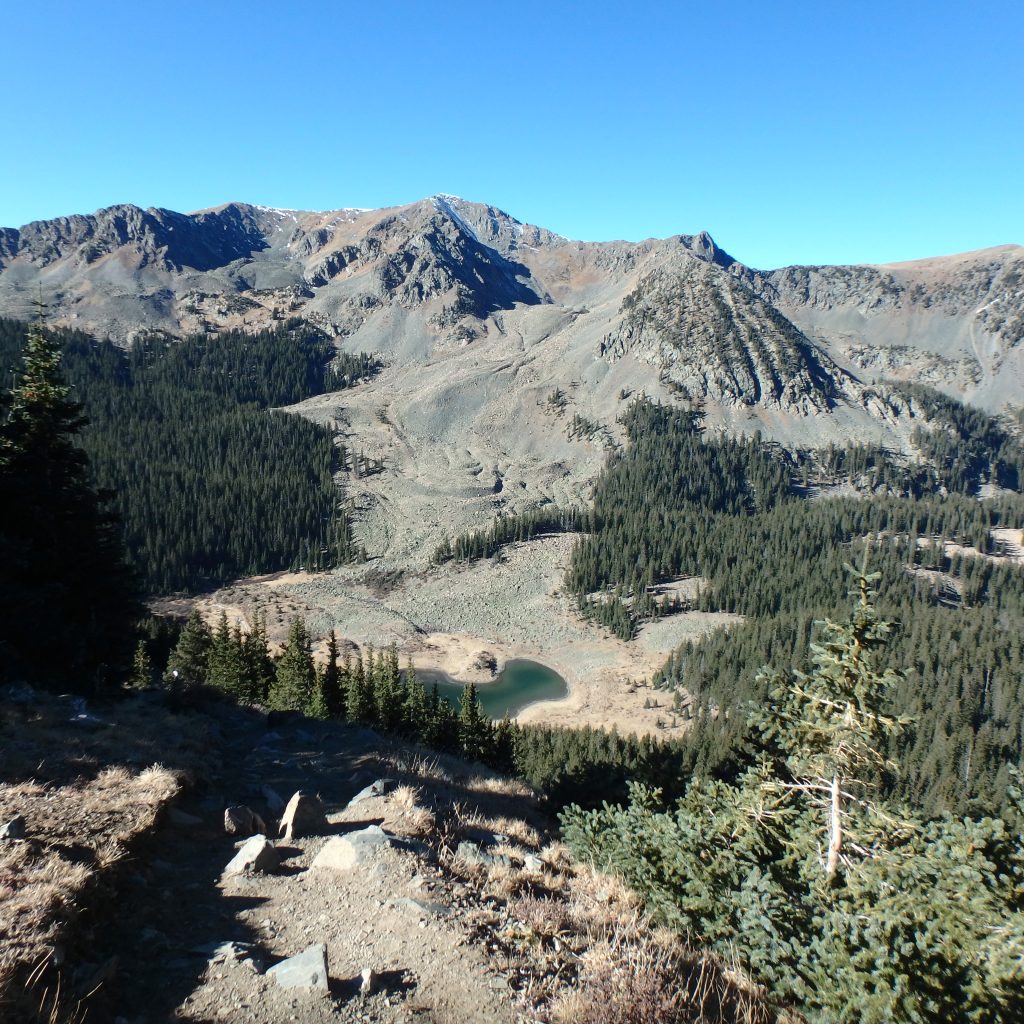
442	274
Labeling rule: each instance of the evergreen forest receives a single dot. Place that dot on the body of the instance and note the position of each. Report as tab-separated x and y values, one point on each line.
208	479
766	534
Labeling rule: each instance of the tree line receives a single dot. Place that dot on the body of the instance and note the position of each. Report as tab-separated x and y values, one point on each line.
209	482
368	687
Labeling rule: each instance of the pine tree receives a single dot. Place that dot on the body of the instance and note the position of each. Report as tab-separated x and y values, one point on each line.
141	677
333	694
63	582
294	685
474	726
188	665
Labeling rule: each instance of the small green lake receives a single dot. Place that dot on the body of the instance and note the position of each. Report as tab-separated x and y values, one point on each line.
519	683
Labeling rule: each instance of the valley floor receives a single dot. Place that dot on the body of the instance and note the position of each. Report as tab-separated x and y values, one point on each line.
445	617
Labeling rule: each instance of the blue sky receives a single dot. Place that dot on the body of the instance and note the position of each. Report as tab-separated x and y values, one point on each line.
793	132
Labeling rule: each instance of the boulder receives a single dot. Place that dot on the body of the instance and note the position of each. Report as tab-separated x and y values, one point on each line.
256	856
533	863
342	853
240	820
304	816
307	969
378	788
369	981
14	829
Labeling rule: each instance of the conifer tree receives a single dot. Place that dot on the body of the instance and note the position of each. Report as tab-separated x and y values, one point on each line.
414	712
295	677
843	903
474	726
63	583
333	694
359	698
141	677
258	671
188	663
226	664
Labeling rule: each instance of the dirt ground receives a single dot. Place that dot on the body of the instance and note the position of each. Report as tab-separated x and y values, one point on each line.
445	617
154	930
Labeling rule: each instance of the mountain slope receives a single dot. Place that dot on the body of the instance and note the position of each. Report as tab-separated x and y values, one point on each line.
511	352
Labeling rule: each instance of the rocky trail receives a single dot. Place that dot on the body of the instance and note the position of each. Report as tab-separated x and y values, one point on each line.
198	861
395	925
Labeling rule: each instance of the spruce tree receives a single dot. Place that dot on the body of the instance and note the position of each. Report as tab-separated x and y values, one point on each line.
64	586
845	904
226	665
333	694
189	662
141	677
474	726
294	685
258	666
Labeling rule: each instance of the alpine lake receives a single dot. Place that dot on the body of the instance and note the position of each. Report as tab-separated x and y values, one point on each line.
519	683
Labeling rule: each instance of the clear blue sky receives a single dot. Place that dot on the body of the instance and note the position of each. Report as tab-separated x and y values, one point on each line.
793	132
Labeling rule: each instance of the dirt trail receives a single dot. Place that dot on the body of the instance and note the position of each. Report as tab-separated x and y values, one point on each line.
175	908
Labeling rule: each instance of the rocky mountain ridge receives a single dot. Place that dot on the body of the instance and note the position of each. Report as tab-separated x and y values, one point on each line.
442	273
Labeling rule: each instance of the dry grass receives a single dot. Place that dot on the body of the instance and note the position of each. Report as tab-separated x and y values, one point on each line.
85	795
641	976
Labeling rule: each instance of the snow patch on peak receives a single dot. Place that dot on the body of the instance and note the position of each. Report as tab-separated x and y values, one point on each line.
443	204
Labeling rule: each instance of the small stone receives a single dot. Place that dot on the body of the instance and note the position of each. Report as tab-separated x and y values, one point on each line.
304	816
242	821
342	853
182	819
14	829
472	853
256	856
378	788
222	952
307	969
533	863
422	907
369	980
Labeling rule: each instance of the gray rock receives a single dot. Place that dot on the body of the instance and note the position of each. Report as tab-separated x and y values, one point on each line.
422	907
304	816
19	693
182	819
342	853
243	821
416	847
307	969
369	981
378	788
533	863
256	856
223	952
14	829
471	853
